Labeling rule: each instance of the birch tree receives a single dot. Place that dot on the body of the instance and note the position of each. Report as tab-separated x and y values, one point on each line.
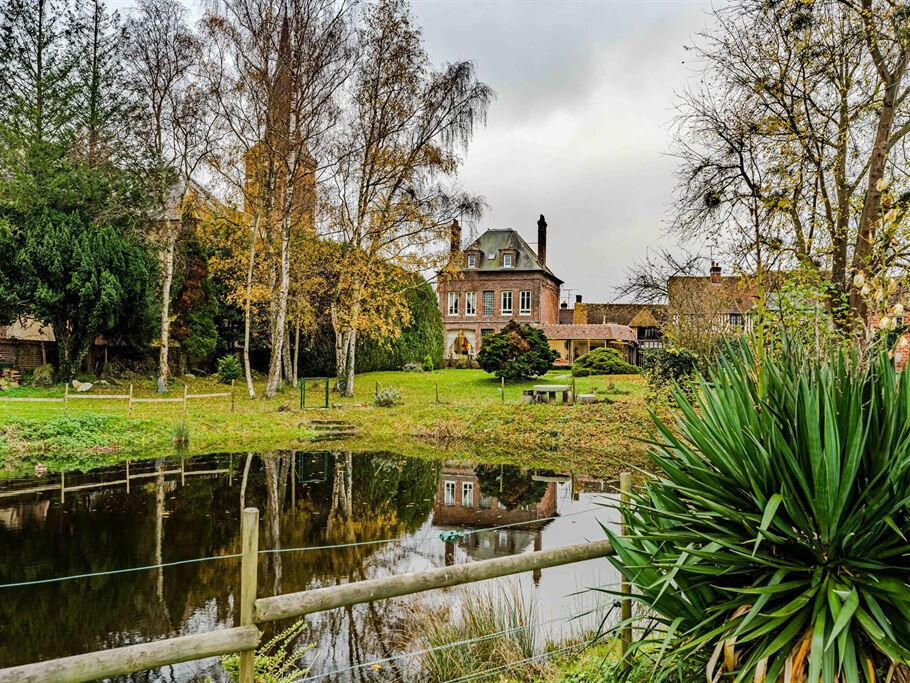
275	68
398	153
175	130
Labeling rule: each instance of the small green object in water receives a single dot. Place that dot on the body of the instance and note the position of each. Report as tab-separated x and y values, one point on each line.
451	536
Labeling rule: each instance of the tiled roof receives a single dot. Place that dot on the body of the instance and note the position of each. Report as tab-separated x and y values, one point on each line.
492	241
624	314
27	329
607	331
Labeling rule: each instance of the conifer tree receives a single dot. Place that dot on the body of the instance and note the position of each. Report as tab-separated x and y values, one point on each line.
102	102
36	73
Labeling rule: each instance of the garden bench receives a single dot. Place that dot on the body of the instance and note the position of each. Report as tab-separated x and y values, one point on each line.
544	393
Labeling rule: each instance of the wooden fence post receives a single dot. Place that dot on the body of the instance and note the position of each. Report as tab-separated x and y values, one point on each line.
302	384
233	401
66	396
326	392
625	488
185	392
129	410
248	578
437	392
502	389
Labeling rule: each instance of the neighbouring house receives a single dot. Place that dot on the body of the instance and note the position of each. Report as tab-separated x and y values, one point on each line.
26	344
501	278
645	320
724	303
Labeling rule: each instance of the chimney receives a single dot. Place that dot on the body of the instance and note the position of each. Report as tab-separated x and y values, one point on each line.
715	271
455	237
542	240
578	298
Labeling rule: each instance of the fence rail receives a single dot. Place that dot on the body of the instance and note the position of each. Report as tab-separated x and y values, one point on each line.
129	398
245	637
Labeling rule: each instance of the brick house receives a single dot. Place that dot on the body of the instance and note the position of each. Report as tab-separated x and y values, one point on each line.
501	278
26	344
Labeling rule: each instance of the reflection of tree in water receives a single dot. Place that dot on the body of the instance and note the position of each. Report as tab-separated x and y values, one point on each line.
513	486
368	498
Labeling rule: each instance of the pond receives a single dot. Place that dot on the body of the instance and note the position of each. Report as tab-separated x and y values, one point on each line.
386	511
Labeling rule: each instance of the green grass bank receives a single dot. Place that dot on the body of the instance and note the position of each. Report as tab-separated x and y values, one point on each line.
459	414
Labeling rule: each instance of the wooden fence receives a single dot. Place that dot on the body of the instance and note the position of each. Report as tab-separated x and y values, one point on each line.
245	637
129	398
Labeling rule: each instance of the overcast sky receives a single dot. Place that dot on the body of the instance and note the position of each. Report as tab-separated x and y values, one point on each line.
580	127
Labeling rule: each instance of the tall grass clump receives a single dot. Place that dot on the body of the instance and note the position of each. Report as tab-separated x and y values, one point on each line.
501	624
771	541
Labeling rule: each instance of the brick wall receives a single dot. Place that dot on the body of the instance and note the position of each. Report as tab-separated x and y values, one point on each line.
544	301
23	355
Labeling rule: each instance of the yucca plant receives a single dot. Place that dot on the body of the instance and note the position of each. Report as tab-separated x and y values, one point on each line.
771	539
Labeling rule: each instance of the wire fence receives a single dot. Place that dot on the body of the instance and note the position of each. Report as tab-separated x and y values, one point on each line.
311	548
457	643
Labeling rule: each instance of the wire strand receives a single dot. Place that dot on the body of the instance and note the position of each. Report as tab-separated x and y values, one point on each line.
399	539
457	643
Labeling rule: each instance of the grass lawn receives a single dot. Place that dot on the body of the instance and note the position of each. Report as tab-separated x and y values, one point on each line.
471	421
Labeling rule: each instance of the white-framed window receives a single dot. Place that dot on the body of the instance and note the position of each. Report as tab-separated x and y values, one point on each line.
470	303
472	260
507	260
488	303
449	493
453	303
506	304
486	502
524	302
467	494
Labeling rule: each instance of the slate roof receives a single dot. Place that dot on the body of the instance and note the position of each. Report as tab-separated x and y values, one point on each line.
492	241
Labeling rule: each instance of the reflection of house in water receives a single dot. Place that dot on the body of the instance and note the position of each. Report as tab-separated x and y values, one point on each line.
491	496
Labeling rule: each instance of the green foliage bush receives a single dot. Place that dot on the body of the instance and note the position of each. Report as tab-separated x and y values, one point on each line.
666	366
421	337
229	369
602	361
517	352
386	398
428	363
776	518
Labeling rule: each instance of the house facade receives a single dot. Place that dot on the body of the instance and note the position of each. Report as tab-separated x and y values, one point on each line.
501	278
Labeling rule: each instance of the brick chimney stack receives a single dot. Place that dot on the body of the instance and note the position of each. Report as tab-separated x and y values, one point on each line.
455	238
542	240
715	271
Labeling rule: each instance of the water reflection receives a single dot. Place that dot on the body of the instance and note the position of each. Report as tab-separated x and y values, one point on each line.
167	510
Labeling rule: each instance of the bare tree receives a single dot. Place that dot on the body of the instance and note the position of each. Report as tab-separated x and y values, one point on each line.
648	280
812	94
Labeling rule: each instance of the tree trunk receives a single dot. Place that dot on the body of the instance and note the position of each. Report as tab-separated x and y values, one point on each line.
869	219
350	363
274	379
246	312
168	268
289	376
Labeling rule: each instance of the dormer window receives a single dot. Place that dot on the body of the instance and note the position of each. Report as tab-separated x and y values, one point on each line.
472	260
507	260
